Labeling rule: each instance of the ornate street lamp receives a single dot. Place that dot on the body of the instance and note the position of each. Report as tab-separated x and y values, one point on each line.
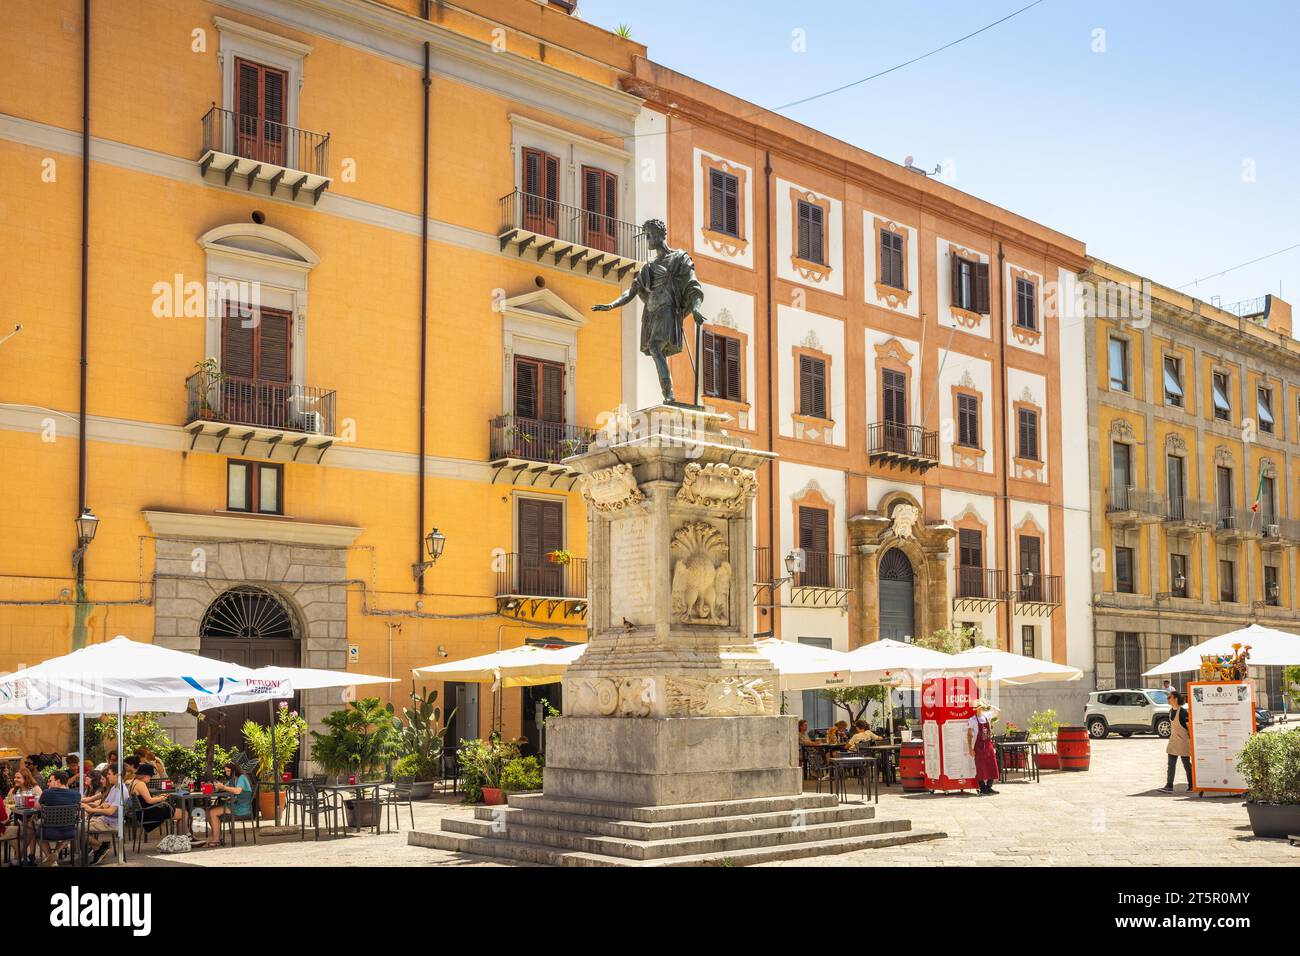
87	525
434	542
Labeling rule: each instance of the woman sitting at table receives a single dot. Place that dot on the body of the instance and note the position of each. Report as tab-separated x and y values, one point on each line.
145	755
839	733
26	784
241	807
862	735
154	808
804	739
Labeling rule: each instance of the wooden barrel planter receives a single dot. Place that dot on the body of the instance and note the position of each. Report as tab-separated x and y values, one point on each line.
1073	747
911	765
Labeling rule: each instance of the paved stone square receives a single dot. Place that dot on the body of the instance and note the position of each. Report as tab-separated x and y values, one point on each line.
1110	816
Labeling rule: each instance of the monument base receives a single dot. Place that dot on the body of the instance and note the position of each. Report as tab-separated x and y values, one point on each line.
650	762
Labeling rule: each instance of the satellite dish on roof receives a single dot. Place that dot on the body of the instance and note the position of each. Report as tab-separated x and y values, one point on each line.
908	161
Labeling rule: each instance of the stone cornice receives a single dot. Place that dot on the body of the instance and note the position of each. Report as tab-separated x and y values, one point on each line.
176	524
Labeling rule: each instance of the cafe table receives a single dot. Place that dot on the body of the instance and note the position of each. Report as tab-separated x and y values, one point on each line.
358	790
845	766
1017	755
883	753
188	800
25	820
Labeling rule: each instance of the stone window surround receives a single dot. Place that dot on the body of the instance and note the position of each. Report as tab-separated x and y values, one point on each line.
573	151
724	243
964	318
551	336
250	43
892	296
1186	359
1216	367
826	423
1031	338
970	520
895	357
973	456
1022	465
816	272
745	404
812	496
1030	528
1127	338
518	493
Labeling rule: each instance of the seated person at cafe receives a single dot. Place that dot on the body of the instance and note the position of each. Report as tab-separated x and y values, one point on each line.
130	767
154	808
26	784
109	761
804	739
101	813
242	806
57	794
145	755
839	733
862	735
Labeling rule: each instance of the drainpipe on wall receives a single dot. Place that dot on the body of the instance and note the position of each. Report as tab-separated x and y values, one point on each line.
1006	450
83	606
771	391
424	303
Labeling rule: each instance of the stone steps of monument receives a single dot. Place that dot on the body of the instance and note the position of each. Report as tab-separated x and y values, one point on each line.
510	850
709	844
629	813
672	829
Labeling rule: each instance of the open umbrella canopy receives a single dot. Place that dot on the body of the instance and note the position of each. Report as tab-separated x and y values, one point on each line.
515	667
147	677
805	667
281	682
1007	668
1268	647
888	661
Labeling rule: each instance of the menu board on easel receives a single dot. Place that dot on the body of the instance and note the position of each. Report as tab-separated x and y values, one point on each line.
947	704
1221	718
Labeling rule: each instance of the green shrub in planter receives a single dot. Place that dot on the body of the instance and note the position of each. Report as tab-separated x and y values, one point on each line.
1270	762
482	764
417	767
523	773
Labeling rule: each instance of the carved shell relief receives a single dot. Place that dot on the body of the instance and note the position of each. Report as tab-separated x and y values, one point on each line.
717	485
701	587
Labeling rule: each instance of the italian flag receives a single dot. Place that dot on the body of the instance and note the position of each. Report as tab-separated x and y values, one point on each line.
1259	492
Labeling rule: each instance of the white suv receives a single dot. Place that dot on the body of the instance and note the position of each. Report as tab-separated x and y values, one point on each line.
1126	712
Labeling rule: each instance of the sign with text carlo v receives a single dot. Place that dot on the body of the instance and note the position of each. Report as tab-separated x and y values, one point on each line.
947	703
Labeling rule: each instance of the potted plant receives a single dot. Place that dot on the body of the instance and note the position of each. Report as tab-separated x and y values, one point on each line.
559	556
359	739
210	377
1042	731
522	774
1270	763
274	747
483	763
419	732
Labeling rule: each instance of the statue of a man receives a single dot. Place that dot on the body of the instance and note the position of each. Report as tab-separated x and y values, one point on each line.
669	291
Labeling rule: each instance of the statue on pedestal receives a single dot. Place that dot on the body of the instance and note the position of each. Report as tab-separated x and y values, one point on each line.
669	291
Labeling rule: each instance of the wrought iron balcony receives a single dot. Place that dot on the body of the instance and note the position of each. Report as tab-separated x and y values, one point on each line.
822	580
1130	505
529	583
1188	514
1278	533
979	589
529	445
1037	595
906	446
574	238
262	156
246	410
1232	526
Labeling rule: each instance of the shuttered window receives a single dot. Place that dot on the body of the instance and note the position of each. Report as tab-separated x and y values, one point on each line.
814	540
893	395
541	182
722	366
812	387
812	237
1124	570
1026	306
260	111
541	531
724	203
970	285
892	270
255	344
968	420
1128	660
600	200
1222	403
539	390
970	548
1027	434
1228	581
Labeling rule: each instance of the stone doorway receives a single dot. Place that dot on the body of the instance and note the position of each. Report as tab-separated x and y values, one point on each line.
897	597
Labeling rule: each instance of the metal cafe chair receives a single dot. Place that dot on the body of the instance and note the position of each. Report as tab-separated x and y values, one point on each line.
57	818
394	797
315	804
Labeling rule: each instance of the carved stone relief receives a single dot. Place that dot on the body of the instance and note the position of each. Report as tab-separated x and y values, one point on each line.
701	575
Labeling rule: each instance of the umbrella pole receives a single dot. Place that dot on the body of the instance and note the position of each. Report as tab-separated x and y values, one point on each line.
121	793
275	765
81	769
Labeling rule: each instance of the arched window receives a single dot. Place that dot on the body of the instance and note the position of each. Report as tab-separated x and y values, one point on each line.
247	612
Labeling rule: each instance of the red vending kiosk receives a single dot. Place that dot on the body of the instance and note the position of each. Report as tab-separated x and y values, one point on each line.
947	703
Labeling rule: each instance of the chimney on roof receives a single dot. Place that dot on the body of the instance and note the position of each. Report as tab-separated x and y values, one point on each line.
1278	315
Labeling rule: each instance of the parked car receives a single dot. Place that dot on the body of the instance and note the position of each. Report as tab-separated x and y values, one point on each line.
1126	712
1263	718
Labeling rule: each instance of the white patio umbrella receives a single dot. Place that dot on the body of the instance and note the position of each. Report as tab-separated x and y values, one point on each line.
515	667
805	667
1007	668
1268	647
122	673
888	661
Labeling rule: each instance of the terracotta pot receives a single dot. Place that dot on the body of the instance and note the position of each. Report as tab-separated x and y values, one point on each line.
1049	761
266	802
492	796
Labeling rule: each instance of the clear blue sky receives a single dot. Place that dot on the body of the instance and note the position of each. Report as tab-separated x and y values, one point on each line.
1137	150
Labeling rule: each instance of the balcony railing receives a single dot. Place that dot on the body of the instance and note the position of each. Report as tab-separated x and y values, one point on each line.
568	232
987	584
265	151
531	439
1042	590
905	444
824	570
281	406
1132	498
1279	530
536	576
763	567
1189	511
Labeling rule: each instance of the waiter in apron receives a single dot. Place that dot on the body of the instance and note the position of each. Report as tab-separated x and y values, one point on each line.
1180	742
980	738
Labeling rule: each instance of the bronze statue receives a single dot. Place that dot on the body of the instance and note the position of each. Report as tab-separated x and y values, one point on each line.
670	291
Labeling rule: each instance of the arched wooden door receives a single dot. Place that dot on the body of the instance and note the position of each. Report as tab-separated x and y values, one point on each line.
253	627
897	597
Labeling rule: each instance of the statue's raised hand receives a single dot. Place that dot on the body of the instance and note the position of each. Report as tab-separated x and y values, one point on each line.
602	307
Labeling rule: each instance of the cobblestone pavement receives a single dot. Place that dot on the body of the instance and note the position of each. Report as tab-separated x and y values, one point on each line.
1110	816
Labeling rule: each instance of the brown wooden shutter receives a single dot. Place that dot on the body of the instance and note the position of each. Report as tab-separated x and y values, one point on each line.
812	387
814	530
541	529
247	95
956	282
733	389
541	186
710	368
805	231
237	343
982	288
525	388
273	346
552	393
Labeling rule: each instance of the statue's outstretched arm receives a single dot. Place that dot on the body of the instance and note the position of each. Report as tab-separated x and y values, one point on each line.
621	301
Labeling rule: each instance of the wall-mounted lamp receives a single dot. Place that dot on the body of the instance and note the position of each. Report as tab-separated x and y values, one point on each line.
434	542
87	525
